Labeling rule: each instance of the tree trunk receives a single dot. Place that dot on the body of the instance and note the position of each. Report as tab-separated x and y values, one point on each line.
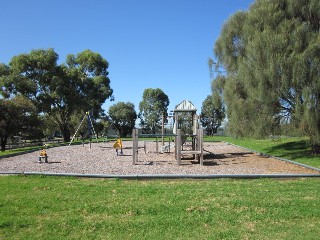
121	133
153	130
66	134
315	148
3	143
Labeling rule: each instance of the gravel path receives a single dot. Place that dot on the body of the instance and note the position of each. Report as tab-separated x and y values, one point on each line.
219	158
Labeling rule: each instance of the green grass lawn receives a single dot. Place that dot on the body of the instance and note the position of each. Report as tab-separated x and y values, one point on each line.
296	149
36	148
35	207
19	150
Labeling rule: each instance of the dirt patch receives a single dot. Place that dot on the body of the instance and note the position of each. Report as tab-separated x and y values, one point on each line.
219	158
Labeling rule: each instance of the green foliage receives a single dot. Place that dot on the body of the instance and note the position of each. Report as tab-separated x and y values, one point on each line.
18	116
70	208
59	91
153	106
122	117
211	115
4	72
271	54
185	123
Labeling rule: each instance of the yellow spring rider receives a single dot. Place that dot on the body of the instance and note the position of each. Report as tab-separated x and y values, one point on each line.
43	154
118	145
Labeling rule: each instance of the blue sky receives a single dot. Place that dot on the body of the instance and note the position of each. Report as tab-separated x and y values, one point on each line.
162	44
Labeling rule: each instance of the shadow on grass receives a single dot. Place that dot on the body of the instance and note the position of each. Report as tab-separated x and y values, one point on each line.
292	150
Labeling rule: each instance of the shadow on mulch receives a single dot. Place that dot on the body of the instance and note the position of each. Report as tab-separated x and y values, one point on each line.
108	147
242	154
222	162
225	155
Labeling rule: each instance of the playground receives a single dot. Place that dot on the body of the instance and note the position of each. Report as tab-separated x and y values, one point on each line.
101	158
183	154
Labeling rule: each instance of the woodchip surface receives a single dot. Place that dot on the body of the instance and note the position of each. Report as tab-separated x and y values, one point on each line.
219	158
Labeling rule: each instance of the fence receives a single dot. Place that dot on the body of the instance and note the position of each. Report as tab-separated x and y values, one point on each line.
23	144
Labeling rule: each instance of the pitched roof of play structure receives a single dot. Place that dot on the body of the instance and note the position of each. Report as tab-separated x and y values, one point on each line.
185	106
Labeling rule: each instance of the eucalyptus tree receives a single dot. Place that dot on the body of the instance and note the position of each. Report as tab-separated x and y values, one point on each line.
18	116
122	117
271	55
153	107
59	91
211	115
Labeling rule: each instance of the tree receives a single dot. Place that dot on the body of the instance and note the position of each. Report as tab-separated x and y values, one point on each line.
271	55
153	107
211	115
81	84
122	117
17	116
4	73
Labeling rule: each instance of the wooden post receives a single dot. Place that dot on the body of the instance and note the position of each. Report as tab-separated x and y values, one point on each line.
135	146
178	146
162	132
197	144
200	135
176	122
157	148
175	146
174	131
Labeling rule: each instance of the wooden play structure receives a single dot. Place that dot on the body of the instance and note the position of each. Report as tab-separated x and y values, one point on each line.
186	125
